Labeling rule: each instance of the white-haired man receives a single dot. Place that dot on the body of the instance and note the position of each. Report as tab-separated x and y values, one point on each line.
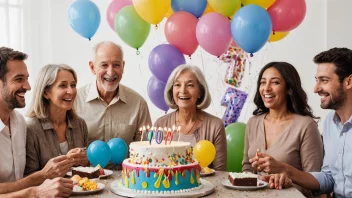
110	109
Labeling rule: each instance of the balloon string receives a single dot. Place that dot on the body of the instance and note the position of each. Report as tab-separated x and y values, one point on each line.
190	57
138	52
156	26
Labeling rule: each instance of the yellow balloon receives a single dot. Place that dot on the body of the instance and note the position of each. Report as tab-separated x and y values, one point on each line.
204	152
169	12
225	7
208	9
277	36
152	11
262	3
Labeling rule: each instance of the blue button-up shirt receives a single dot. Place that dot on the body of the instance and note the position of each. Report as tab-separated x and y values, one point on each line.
336	173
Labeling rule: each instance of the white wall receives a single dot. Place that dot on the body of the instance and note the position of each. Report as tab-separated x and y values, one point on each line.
315	34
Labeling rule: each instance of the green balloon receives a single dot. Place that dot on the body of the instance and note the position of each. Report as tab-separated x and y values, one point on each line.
235	134
131	28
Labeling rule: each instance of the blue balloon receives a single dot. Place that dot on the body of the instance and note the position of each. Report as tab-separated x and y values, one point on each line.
84	18
195	7
251	28
98	152
118	149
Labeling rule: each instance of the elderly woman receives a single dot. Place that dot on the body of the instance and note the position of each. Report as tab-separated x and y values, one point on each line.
187	92
283	129
53	128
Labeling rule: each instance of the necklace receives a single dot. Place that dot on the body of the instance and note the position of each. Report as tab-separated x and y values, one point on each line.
195	121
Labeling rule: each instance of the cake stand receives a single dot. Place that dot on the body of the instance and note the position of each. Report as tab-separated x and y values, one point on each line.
206	189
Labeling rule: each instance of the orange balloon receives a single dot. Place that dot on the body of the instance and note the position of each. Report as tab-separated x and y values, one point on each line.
208	9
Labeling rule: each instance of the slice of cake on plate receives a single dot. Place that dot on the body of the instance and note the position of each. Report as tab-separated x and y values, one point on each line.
243	179
89	172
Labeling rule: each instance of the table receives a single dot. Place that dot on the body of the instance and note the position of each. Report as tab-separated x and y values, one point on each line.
220	191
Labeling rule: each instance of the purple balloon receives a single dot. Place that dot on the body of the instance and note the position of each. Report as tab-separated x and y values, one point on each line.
163	60
156	93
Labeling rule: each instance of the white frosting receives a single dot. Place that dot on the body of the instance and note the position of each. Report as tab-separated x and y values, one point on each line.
243	175
159	154
86	169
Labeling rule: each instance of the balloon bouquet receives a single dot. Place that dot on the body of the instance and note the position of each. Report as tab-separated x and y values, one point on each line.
100	152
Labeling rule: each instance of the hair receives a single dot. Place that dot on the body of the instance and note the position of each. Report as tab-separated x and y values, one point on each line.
8	54
203	102
297	101
340	57
45	79
105	43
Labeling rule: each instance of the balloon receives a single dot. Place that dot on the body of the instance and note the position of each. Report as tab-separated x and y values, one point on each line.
169	12
155	90
208	9
195	7
204	152
262	3
113	8
277	36
286	15
251	28
213	33
163	59
152	11
131	28
98	152
225	7
234	101
235	134
84	18
118	149
180	31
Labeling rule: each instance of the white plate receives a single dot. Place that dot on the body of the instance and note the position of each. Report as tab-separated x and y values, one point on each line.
100	188
207	174
261	184
106	171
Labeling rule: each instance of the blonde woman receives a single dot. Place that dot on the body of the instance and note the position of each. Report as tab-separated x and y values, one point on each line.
187	92
53	128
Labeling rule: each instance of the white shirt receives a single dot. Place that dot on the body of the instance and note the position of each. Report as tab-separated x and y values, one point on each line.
187	138
64	147
12	149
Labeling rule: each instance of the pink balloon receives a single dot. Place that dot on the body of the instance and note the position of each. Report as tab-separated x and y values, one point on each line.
214	33
113	8
180	31
286	15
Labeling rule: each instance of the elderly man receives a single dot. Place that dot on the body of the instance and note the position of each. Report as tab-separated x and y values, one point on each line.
13	86
109	108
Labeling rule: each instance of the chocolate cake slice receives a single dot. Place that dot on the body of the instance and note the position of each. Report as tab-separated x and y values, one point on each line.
243	179
89	172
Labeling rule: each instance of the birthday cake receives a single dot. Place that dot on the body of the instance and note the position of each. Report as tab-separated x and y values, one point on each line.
165	168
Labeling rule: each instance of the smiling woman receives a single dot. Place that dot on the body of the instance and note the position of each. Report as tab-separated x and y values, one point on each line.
187	92
283	126
53	128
